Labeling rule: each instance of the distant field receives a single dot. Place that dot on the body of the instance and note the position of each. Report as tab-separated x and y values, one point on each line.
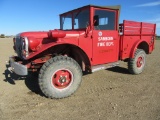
157	38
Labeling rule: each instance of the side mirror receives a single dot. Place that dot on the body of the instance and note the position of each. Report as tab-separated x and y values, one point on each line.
96	20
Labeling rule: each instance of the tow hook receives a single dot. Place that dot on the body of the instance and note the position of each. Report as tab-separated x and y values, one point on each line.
7	62
11	69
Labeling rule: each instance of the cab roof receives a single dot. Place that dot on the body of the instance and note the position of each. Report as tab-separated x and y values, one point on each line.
117	7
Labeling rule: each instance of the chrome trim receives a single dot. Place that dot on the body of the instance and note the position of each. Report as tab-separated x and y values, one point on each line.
25	47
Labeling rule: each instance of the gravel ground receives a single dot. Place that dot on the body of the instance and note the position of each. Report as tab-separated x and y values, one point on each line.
111	94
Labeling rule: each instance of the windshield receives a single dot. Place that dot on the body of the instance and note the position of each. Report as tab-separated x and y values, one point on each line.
80	20
66	22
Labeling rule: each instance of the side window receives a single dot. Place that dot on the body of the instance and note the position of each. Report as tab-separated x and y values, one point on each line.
105	20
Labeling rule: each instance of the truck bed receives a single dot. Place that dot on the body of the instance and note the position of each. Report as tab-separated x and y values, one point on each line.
136	28
132	32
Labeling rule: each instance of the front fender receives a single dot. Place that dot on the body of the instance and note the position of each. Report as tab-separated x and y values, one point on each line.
48	46
41	49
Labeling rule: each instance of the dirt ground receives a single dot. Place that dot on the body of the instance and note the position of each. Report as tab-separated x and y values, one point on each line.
111	94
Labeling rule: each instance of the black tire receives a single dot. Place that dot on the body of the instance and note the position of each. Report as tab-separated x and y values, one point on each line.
60	77
136	65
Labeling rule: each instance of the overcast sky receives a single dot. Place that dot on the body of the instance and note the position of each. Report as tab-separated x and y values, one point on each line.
42	15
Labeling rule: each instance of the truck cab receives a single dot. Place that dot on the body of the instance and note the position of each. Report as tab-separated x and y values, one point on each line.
90	38
98	31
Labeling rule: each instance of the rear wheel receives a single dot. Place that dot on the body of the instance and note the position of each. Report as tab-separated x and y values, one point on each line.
136	65
60	77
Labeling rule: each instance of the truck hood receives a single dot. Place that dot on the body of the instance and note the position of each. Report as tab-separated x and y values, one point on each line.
74	33
64	34
39	34
52	34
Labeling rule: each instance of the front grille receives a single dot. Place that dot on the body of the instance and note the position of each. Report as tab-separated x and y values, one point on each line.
18	45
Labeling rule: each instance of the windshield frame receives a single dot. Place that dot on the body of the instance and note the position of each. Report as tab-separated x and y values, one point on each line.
74	14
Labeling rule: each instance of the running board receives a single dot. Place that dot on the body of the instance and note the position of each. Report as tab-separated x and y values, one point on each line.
104	66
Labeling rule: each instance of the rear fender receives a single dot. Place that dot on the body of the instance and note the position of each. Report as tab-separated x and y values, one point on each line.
142	44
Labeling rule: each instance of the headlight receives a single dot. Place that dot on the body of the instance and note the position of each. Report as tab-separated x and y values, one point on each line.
25	46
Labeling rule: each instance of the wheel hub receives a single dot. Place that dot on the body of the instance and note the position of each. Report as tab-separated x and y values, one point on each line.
140	62
62	78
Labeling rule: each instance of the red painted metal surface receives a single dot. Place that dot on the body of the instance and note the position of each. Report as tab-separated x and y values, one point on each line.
138	28
102	45
33	44
62	79
133	34
140	62
56	34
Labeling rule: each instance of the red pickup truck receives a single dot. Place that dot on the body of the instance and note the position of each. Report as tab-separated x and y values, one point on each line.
90	38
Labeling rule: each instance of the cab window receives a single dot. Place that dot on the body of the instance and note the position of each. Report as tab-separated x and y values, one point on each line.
104	20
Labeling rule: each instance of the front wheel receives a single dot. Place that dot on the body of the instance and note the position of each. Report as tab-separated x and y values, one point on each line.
136	65
60	77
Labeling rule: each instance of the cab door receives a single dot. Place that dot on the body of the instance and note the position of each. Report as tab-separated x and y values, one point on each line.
105	37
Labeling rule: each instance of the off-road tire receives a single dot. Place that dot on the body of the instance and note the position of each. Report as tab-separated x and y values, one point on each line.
137	64
50	68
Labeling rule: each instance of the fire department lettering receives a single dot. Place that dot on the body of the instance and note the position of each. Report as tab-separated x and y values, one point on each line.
104	38
104	41
103	44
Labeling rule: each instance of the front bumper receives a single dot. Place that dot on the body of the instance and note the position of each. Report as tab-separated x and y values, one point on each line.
16	67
